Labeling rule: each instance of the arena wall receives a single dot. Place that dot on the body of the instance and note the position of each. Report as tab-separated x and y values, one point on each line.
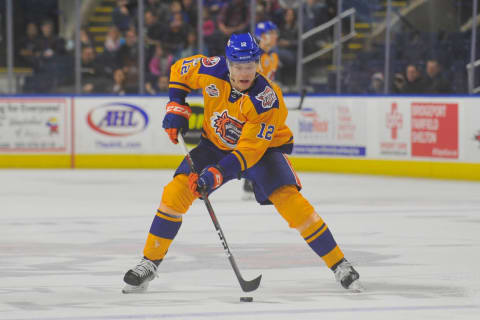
436	137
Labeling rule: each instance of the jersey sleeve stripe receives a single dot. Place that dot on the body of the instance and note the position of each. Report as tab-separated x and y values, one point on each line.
174	83
241	159
177	95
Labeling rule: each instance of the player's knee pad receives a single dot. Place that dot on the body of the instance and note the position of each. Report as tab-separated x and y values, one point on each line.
177	194
291	205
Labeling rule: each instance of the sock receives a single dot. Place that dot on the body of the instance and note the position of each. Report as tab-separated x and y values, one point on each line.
162	232
321	240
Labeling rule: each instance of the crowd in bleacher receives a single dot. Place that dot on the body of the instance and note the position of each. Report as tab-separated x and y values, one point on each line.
170	33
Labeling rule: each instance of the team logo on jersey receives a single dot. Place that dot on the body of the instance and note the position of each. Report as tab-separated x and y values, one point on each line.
267	97
210	62
227	128
212	90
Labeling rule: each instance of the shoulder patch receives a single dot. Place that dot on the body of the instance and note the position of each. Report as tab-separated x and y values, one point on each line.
212	90
267	97
210	61
263	96
214	66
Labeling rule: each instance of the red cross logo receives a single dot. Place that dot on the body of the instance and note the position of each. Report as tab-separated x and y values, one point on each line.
394	120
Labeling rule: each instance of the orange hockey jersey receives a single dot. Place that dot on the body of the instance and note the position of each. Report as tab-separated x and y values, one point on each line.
248	123
268	64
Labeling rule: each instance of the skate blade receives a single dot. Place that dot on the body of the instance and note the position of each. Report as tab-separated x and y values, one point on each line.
135	289
356	286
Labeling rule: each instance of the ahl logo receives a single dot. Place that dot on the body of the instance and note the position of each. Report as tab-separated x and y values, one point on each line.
394	121
267	97
227	128
117	119
212	91
210	62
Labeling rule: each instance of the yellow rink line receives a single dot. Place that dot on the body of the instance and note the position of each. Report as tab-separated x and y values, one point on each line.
424	169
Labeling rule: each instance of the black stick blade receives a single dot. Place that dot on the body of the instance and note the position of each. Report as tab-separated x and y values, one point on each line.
251	285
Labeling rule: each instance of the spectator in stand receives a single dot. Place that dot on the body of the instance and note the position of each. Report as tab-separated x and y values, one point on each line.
213	6
435	82
191	48
107	59
28	45
93	79
160	63
50	44
52	68
234	17
212	36
160	85
127	60
159	8
314	14
273	11
113	40
398	83
85	38
189	7
287	47
376	84
175	38
155	30
118	87
176	8
414	82
121	16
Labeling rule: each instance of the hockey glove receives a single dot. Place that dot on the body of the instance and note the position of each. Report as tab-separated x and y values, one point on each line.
176	120
208	180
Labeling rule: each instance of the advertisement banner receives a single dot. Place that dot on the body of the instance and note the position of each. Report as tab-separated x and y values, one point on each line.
394	128
472	130
333	127
434	129
34	125
119	125
127	125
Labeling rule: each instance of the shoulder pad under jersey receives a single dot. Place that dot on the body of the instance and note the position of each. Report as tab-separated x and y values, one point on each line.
214	66
262	95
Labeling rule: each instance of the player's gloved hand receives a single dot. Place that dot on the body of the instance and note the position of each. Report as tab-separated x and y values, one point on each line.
176	120
208	180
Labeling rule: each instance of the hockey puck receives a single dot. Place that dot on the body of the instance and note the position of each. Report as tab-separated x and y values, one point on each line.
246	299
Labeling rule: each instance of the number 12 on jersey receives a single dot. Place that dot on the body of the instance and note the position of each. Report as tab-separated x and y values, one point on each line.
266	134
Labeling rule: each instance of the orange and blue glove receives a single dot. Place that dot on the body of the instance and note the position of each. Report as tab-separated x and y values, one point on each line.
176	120
209	179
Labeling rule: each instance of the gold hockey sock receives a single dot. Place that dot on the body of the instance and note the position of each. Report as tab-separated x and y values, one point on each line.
162	232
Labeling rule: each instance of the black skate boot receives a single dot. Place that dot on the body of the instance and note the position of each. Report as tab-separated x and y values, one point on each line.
248	190
347	276
138	278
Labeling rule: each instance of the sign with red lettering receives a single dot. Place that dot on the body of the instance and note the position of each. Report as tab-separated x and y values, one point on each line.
434	129
394	133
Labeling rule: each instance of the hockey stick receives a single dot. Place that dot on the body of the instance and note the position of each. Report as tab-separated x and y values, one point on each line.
302	97
247	286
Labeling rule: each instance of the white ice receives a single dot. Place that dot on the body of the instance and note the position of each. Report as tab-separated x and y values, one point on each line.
67	238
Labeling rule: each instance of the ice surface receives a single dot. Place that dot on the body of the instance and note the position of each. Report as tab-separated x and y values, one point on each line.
67	237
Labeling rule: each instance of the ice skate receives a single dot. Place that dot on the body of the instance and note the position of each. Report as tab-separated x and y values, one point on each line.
347	276
138	278
248	190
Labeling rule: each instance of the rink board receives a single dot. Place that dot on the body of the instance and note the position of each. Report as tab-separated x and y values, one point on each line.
435	137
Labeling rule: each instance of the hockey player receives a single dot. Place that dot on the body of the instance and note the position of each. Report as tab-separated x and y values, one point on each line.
266	33
244	134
